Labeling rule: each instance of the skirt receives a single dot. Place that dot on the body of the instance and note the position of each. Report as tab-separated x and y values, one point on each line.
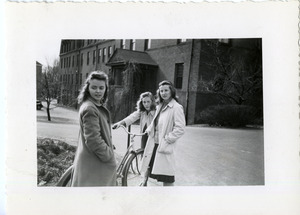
161	178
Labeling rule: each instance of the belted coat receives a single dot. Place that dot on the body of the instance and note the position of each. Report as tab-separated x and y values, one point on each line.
171	126
95	163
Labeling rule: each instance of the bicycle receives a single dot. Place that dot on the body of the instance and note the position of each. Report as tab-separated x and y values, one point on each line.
128	170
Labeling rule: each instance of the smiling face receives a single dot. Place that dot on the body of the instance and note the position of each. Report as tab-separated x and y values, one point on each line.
147	103
97	89
165	92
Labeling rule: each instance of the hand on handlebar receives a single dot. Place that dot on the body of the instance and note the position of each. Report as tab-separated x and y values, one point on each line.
117	125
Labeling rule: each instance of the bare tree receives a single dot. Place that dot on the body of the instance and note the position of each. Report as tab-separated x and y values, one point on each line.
132	76
238	73
50	84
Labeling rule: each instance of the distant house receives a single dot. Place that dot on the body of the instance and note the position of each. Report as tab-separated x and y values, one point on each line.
185	62
39	68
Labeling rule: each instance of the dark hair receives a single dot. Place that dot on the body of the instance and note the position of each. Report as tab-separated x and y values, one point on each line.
84	93
172	88
139	103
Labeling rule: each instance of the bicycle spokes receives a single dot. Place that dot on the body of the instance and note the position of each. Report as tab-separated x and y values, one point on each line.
132	172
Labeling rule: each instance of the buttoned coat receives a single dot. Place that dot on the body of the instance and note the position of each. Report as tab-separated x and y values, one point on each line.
142	116
171	126
94	163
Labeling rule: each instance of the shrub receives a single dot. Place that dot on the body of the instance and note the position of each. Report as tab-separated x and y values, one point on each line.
54	158
227	115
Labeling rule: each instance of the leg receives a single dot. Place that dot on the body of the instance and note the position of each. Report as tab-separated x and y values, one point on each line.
145	180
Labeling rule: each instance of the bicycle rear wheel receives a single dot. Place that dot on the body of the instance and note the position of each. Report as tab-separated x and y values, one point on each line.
65	179
132	172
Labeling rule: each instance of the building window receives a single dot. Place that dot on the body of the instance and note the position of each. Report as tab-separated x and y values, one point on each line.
69	61
73	60
225	41
104	54
178	75
99	55
88	58
123	43
109	51
181	41
81	59
117	74
147	44
132	45
61	63
77	60
86	75
94	56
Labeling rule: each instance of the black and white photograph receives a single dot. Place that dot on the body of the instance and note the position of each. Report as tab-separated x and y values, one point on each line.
154	108
216	134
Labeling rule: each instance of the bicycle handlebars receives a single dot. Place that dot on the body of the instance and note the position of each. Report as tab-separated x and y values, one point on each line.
142	134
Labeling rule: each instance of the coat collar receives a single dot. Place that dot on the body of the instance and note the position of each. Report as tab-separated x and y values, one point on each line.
170	104
94	102
152	112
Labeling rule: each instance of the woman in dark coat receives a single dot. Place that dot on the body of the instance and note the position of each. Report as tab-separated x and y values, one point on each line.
94	163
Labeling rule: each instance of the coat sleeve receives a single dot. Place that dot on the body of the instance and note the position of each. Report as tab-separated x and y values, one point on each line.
132	118
179	125
93	139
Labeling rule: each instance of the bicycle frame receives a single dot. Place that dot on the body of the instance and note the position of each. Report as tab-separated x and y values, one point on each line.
130	150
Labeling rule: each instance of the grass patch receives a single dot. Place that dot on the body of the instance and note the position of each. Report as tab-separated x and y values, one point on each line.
54	158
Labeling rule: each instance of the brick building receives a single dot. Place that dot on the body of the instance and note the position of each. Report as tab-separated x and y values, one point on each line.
182	61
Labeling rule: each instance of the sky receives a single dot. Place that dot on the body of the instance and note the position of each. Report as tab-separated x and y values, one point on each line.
47	51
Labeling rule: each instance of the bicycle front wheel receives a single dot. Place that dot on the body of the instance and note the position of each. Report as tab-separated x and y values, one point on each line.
132	172
65	179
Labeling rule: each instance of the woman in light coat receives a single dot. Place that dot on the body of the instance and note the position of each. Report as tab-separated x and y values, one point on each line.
145	112
166	128
94	163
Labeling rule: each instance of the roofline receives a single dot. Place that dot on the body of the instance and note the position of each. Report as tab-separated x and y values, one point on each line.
116	63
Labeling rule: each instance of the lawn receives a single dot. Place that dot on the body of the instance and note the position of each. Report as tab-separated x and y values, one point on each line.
54	157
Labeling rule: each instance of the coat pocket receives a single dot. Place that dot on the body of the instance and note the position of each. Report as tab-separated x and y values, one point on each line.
165	148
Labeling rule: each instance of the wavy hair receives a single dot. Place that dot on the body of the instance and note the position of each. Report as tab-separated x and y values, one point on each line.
172	88
139	103
84	93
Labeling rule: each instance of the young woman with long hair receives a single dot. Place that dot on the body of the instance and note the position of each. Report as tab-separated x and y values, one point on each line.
95	163
166	128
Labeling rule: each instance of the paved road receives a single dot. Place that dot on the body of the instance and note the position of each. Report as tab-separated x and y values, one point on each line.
205	156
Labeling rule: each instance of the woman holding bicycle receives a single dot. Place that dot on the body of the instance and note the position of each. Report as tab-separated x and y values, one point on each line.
166	128
145	112
94	163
